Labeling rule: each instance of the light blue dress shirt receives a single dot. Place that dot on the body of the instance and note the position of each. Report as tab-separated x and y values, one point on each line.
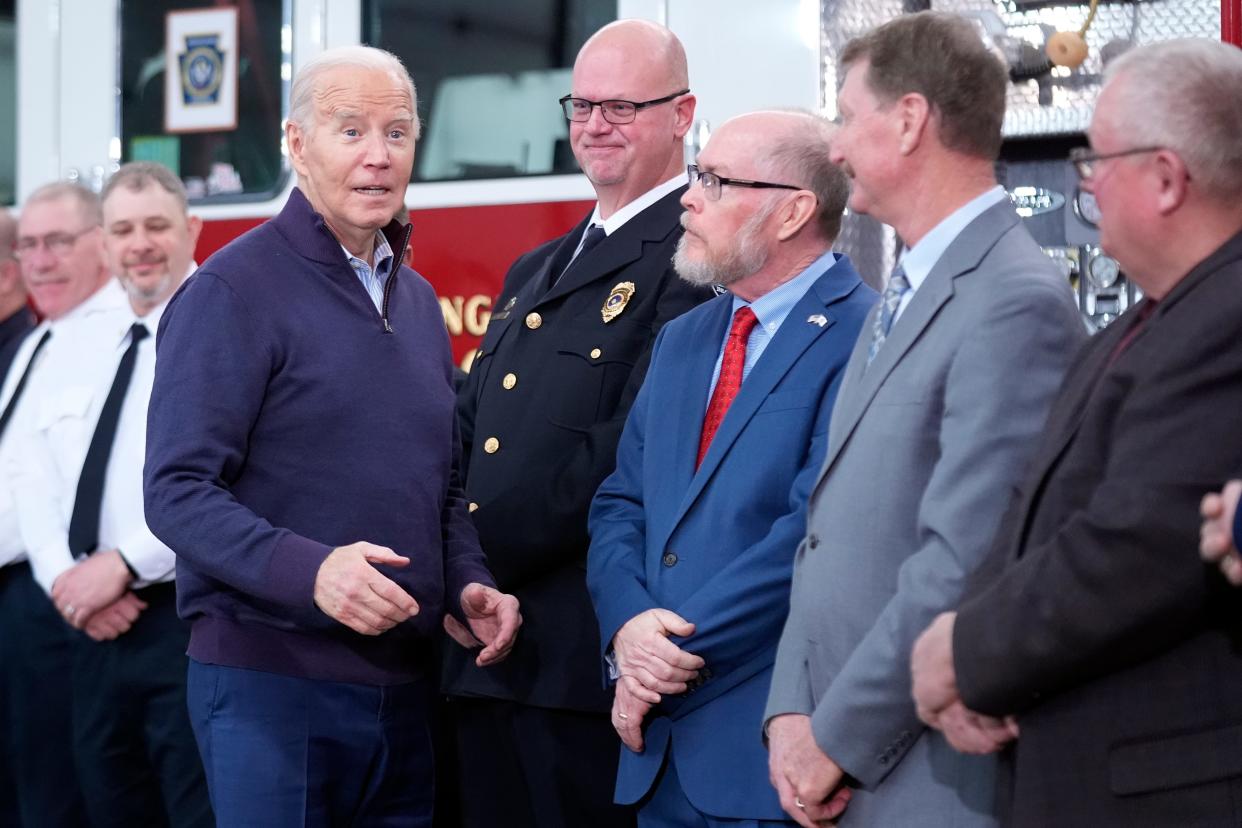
374	279
771	309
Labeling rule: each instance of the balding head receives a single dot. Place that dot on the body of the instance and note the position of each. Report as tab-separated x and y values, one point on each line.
645	42
753	239
640	62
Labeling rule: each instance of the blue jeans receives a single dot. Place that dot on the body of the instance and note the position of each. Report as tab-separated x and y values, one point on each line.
284	751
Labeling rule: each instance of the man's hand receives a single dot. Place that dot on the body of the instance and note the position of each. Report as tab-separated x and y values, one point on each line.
628	712
931	667
459	633
808	782
1216	541
494	620
349	589
643	651
89	586
971	732
115	619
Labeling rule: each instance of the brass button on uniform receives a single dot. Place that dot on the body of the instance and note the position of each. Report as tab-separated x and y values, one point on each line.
491	445
474	507
533	320
596	353
509	381
670	559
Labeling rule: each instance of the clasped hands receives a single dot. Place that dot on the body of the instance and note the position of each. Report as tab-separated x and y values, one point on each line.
349	589
94	596
937	700
650	667
809	783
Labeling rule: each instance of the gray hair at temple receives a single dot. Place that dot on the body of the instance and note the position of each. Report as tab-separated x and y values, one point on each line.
1185	95
138	175
302	96
799	156
89	206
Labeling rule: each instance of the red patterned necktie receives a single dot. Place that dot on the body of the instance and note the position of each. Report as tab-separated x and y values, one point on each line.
730	379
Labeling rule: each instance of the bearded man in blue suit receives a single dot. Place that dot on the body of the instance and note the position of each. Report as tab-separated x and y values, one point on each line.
693	536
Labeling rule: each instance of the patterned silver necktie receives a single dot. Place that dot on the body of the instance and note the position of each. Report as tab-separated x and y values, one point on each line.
890	300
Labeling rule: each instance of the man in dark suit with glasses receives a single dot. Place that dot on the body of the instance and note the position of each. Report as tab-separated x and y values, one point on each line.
541	414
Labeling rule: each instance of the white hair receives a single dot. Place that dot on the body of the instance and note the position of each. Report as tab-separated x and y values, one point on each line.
1186	95
302	96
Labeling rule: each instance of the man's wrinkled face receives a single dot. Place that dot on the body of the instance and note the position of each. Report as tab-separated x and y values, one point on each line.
61	255
149	241
354	161
864	145
726	240
636	153
1116	184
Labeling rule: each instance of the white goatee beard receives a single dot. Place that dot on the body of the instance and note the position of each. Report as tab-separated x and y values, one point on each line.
745	256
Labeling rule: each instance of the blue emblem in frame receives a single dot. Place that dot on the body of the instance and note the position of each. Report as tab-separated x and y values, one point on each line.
202	70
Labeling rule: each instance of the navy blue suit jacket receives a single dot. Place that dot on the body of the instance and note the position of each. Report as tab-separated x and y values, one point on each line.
717	545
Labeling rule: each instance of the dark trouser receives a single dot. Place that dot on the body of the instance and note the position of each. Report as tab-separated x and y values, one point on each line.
532	767
282	751
36	665
136	757
668	807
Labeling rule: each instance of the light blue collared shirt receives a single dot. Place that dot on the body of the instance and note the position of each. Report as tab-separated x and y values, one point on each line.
771	309
374	279
918	261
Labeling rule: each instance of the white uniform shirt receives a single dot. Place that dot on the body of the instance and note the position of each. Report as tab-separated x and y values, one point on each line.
108	299
618	219
72	386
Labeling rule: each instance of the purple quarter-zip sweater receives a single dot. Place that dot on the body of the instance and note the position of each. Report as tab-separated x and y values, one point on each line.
289	417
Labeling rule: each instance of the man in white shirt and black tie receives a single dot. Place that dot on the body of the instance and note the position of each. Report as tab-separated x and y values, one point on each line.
58	246
79	491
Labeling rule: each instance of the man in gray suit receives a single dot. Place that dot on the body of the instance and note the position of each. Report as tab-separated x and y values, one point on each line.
943	396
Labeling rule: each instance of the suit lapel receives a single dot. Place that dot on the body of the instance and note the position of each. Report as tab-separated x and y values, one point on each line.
618	250
557	262
863	382
795	335
1093	369
1064	420
690	381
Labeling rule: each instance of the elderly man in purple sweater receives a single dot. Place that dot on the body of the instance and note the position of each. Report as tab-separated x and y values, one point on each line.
302	462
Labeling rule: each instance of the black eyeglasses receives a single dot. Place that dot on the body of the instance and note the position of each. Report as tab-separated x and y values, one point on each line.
712	183
614	111
1084	159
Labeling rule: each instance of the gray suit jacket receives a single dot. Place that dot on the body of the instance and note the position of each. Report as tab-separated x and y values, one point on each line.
924	450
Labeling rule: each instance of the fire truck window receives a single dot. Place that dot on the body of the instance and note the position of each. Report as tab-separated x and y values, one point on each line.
227	160
488	75
8	102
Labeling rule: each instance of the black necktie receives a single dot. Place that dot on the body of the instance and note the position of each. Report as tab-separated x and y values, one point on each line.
84	523
594	235
21	383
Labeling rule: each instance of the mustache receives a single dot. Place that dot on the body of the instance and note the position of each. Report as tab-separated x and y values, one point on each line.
147	259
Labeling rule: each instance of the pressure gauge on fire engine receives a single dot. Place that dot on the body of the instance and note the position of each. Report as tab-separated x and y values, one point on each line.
1103	270
1086	208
